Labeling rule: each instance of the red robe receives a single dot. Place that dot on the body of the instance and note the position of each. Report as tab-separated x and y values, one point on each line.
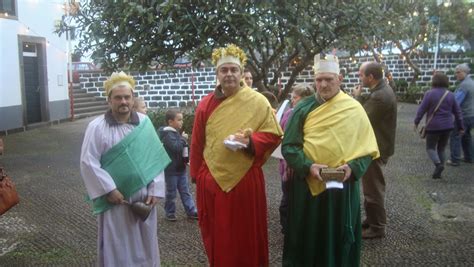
234	224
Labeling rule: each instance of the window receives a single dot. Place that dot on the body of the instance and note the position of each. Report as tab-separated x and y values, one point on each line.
29	50
8	8
83	66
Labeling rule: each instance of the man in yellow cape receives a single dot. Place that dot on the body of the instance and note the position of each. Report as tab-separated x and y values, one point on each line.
328	130
234	133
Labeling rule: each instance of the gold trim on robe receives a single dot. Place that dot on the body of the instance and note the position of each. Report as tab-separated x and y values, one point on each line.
245	109
327	141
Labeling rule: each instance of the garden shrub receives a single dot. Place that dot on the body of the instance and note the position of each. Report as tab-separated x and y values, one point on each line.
158	119
401	85
412	94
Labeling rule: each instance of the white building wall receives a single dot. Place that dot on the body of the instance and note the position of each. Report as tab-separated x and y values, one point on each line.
40	16
10	92
36	19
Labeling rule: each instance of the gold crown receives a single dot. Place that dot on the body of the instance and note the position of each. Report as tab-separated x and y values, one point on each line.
116	79
231	54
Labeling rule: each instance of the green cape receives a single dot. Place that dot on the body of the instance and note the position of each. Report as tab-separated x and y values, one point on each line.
133	162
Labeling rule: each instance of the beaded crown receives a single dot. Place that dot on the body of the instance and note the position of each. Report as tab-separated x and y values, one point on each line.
119	79
229	54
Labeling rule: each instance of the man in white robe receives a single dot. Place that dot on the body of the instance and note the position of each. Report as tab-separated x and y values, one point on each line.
123	238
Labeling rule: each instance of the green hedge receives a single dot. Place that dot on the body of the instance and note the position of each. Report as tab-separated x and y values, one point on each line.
412	94
158	119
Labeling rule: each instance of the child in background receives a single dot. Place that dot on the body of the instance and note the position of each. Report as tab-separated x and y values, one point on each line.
176	178
139	105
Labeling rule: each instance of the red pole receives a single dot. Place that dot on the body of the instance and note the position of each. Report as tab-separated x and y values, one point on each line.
71	100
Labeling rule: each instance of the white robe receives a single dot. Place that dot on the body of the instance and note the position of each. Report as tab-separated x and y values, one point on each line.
123	238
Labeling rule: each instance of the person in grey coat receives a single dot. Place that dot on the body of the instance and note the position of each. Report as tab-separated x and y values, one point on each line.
464	95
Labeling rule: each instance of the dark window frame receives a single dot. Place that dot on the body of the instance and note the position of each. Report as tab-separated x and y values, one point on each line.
9	14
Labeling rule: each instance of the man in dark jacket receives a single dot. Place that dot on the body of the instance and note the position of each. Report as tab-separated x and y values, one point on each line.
381	107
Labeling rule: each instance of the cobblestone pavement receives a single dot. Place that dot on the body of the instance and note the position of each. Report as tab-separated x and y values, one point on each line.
430	221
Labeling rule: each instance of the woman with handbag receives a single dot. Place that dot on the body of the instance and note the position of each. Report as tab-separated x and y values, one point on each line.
440	106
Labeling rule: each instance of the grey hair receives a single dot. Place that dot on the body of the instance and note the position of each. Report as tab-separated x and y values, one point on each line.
302	89
464	68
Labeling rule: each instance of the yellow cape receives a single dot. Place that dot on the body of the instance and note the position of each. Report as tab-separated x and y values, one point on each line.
335	133
245	109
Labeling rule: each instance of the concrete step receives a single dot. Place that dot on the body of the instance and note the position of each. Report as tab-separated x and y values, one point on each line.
83	91
88	114
79	95
89	104
90	109
85	99
37	125
77	91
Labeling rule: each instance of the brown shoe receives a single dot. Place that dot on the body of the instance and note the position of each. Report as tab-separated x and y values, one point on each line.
371	233
365	224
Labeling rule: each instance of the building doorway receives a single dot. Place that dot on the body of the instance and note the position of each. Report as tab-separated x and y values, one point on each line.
32	85
33	79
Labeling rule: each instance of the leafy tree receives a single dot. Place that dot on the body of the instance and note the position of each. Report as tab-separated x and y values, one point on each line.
412	27
407	28
457	19
275	34
76	55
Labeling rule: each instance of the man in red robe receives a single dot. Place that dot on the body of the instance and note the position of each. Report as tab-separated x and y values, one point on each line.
234	133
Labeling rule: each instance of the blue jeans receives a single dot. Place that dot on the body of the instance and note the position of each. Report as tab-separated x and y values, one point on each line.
178	183
457	142
435	145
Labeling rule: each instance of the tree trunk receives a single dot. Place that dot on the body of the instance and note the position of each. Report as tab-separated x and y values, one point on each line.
296	71
416	69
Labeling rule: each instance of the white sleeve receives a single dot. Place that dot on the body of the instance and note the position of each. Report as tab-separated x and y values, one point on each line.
157	187
98	182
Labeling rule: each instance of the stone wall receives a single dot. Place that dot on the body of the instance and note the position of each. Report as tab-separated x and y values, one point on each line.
160	88
401	71
164	89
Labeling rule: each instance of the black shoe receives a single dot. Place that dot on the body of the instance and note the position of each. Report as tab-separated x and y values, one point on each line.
438	170
371	233
171	218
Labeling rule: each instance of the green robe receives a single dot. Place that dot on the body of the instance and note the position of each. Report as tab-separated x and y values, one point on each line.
324	230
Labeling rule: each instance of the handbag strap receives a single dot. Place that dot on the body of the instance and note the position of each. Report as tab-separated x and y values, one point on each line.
436	108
